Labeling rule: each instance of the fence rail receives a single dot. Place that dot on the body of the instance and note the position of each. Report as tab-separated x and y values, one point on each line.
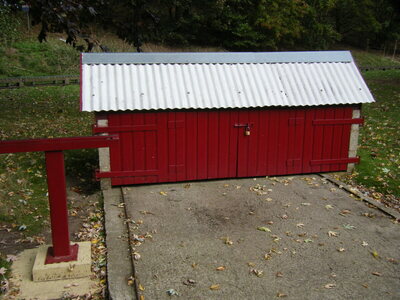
384	68
57	80
17	82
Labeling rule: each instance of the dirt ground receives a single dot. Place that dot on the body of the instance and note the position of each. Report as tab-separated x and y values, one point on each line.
297	237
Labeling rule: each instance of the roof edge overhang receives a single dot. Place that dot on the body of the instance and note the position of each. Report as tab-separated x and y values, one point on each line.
217	57
183	109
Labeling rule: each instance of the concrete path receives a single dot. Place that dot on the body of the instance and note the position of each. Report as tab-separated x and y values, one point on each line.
297	237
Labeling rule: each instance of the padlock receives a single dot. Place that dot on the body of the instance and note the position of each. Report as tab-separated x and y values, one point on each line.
247	131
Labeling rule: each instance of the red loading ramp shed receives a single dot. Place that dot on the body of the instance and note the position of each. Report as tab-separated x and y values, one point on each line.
194	116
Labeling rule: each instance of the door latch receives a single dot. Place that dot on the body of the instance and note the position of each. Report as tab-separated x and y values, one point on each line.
246	126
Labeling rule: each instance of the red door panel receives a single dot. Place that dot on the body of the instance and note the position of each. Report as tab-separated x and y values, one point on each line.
194	145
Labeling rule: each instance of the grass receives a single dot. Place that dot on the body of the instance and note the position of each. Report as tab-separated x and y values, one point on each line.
43	112
28	57
379	137
372	59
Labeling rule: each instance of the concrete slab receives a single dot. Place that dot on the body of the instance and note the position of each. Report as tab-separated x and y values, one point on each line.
64	270
211	240
119	264
28	289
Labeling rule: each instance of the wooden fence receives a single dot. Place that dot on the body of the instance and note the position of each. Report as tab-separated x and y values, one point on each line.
17	82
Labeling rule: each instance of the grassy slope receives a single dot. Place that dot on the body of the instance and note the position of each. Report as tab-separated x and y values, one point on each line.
373	59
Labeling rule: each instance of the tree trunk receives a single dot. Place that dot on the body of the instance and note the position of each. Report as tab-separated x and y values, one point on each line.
394	50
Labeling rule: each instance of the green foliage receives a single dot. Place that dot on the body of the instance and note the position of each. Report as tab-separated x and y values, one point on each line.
234	24
9	26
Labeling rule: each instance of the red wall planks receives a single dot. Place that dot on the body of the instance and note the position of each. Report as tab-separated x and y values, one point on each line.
204	144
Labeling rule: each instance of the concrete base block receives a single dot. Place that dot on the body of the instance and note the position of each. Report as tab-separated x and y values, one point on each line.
64	270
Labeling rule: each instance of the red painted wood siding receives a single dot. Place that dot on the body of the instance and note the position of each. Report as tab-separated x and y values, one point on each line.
205	144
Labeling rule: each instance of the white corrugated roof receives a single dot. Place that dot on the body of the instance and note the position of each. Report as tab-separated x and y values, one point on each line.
144	81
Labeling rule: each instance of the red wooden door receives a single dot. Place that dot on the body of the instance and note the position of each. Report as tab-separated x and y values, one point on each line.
196	145
274	145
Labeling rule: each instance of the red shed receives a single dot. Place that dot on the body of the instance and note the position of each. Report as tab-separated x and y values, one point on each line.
195	116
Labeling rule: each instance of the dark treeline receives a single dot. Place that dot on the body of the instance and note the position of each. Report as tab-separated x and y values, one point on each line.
232	24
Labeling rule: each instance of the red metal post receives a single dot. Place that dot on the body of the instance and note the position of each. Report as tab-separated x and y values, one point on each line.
61	250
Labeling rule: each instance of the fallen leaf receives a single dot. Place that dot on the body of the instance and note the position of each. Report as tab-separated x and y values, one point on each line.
389	259
267	256
172	292
136	255
221	268
268	199
215	287
3	271
227	241
22	228
279	274
348	226
258	273
270	222
189	282
300	225
376	273
364	243
281	295
330	285
341	249
375	254
131	280
141	287
345	212
284	217
365	285
328	206
251	264
332	233
306	204
194	265
11	258
308	241
262	228
141	297
163	193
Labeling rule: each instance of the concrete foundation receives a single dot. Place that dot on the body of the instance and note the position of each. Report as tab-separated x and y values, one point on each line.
23	287
64	270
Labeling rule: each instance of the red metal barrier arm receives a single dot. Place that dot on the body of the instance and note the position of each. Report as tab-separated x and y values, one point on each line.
62	250
57	144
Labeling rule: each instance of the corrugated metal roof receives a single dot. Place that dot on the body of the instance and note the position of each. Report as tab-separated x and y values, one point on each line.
114	84
216	57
